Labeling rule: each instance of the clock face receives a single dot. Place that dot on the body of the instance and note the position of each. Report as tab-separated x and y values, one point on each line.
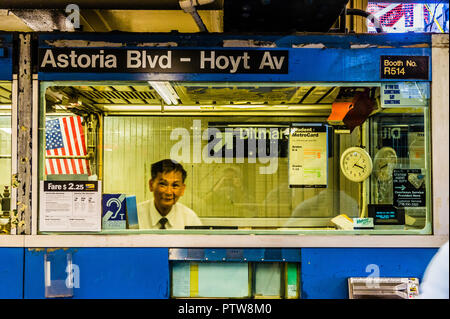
356	164
384	163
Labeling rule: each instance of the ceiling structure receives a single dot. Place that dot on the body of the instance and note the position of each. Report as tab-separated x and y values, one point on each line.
207	93
184	16
107	15
189	96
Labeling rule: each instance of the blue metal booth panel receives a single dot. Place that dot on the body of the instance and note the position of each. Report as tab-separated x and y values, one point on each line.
11	259
325	271
5	56
105	273
322	58
11	273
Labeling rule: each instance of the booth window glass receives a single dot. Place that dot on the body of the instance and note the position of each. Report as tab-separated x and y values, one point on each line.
5	156
260	157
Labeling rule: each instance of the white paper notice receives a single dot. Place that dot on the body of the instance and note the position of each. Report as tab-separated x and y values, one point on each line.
308	156
70	206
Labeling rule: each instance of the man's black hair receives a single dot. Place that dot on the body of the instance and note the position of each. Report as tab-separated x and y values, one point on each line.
167	166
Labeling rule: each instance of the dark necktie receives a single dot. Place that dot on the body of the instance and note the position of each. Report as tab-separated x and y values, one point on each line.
163	221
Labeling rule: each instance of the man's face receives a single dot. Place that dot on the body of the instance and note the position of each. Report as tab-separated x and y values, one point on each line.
167	189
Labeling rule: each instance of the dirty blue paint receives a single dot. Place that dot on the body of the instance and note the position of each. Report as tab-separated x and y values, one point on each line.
5	57
349	58
217	40
11	273
324	271
308	65
109	273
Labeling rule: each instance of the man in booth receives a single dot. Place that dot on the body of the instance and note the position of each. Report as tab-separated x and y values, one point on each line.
163	211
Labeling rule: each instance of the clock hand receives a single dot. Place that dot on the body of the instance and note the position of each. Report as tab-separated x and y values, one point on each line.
356	163
381	167
359	167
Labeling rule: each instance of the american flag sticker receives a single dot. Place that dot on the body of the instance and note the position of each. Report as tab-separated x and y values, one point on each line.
65	137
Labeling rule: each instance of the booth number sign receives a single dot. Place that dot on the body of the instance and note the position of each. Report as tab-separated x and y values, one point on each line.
404	67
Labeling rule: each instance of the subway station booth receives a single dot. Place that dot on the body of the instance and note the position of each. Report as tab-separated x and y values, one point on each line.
311	160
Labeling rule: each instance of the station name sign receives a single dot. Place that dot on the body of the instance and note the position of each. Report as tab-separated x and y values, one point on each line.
163	61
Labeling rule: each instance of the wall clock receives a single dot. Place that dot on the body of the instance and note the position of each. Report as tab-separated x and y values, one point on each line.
356	164
384	162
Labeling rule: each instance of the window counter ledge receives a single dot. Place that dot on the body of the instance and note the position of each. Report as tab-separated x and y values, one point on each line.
245	241
12	240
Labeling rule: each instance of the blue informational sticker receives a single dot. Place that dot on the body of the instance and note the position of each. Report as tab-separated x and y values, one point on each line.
113	211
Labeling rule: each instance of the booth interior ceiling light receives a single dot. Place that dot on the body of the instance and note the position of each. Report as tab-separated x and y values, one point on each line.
128	107
166	91
5	108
